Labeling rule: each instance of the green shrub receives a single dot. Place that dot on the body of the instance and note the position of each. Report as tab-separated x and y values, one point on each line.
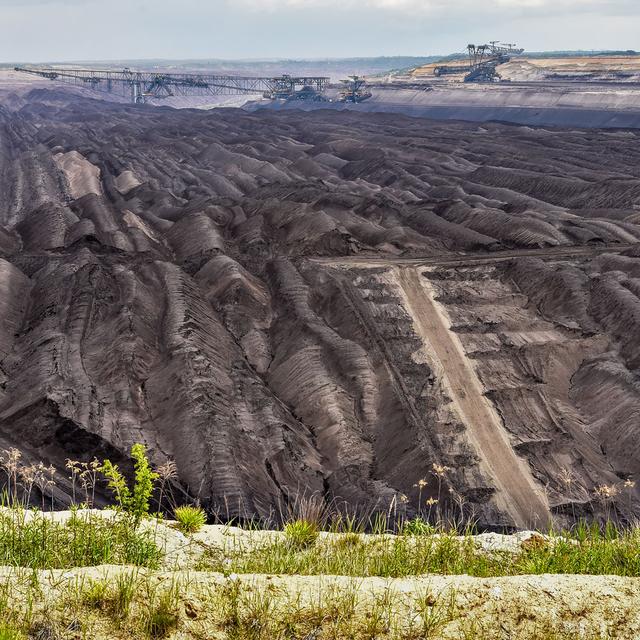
190	519
134	502
301	534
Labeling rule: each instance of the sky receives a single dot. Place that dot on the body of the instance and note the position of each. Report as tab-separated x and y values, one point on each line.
68	30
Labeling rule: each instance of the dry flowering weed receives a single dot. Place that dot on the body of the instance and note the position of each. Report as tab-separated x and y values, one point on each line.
166	473
10	462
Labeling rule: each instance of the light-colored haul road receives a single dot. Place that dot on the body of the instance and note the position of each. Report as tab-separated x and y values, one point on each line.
518	494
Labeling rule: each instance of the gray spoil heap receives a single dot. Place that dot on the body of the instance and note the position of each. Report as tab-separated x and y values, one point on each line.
236	290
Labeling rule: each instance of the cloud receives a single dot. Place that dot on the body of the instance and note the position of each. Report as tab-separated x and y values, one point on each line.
119	29
426	7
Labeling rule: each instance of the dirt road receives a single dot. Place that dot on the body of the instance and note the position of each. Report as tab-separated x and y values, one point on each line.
518	495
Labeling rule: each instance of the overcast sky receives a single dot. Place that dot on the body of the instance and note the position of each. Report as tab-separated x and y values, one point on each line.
57	30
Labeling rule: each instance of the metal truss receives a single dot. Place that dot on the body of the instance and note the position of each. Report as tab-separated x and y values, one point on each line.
142	85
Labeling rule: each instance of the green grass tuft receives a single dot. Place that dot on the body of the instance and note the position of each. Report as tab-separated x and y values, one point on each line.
190	519
301	534
9	632
162	617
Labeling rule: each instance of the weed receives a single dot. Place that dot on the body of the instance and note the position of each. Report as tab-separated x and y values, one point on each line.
134	501
418	527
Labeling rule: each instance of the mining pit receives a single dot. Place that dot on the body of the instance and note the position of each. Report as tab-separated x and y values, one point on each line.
324	303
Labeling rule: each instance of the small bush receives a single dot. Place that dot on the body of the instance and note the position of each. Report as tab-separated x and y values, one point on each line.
134	501
301	533
190	519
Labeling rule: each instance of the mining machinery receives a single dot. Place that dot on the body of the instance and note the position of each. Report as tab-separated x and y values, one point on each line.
354	90
483	62
143	85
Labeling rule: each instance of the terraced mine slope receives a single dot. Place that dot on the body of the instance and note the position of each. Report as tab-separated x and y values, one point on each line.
324	302
625	68
549	103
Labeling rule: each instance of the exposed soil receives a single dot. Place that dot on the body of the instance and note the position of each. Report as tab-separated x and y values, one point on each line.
525	68
223	286
520	607
518	496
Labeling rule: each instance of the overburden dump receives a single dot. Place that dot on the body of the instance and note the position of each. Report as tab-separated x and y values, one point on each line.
325	304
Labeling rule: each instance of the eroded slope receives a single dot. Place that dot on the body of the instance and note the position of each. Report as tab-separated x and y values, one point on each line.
158	286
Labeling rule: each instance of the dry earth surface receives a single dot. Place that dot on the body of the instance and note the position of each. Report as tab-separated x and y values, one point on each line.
513	608
323	302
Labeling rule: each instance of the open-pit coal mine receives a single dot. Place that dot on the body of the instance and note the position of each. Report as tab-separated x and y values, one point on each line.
323	303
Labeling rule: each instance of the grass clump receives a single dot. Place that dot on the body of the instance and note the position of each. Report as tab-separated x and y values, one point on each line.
35	540
161	615
113	597
95	595
190	519
301	534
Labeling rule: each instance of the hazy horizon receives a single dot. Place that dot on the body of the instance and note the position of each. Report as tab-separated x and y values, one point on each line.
326	59
227	30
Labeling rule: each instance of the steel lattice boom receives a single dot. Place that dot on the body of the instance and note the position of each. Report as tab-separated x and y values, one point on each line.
483	62
141	85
